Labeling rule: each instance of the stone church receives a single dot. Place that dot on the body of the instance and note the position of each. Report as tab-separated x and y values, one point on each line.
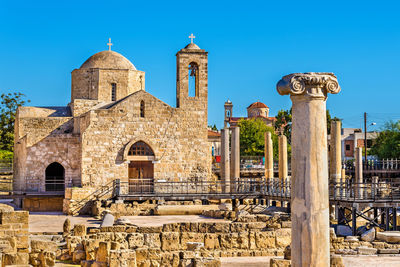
113	129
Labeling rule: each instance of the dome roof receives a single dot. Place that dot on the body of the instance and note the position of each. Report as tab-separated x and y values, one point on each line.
257	105
108	60
192	46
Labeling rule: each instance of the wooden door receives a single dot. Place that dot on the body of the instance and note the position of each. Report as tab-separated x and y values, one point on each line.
141	177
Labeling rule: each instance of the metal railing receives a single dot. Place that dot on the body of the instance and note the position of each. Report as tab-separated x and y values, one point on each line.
384	190
239	187
379	165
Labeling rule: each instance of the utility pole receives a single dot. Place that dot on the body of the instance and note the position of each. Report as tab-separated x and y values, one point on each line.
365	137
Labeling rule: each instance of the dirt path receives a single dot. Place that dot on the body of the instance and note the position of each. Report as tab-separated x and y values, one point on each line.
53	222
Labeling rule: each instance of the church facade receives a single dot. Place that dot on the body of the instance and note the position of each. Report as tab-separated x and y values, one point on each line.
113	129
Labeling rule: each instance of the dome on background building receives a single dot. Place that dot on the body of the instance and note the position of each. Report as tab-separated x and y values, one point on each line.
258	105
108	60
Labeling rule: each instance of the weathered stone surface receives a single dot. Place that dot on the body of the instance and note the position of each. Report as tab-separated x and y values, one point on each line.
343	230
66	227
265	239
369	235
79	230
366	251
388	251
152	240
336	261
211	241
170	241
279	263
135	240
108	220
43	245
283	237
389	236
103	251
123	258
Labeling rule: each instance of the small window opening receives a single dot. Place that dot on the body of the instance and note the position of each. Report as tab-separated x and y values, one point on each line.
348	147
193	79
142	109
140	149
113	91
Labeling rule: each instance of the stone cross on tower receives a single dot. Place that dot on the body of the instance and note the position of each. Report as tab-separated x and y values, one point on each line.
109	44
191	36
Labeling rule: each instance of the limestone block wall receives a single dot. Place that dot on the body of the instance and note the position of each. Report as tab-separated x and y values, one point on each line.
64	149
14	243
80	106
168	244
178	138
95	84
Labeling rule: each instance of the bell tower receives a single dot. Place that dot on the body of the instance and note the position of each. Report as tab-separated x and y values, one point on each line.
228	112
191	77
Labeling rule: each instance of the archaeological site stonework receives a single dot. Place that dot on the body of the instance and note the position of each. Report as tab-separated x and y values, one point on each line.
114	129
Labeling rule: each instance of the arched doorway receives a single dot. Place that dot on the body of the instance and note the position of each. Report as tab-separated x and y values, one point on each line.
55	174
141	168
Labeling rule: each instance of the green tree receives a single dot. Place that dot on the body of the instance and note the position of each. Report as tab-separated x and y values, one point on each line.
8	108
213	127
252	138
284	123
387	144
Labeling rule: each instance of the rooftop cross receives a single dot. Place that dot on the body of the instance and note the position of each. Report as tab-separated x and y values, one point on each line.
191	36
109	44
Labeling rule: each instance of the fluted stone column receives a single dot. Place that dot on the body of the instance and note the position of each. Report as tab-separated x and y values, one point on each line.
359	172
235	154
310	192
269	156
225	170
283	161
336	154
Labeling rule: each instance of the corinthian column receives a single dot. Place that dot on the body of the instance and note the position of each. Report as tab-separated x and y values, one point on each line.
310	192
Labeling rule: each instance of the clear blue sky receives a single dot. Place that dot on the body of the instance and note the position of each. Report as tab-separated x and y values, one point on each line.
251	45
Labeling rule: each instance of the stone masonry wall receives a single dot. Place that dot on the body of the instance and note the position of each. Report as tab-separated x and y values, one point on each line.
178	138
14	242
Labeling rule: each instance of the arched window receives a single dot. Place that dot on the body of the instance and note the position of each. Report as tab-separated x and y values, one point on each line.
113	92
142	109
140	149
193	76
55	173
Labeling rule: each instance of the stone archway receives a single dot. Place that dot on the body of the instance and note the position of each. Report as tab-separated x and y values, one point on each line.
54	177
141	168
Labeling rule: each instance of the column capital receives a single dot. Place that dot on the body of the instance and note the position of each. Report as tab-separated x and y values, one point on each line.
309	84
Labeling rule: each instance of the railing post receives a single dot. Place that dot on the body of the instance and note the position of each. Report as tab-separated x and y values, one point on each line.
117	187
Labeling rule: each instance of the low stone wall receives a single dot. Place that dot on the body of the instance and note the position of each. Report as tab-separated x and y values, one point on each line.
14	241
43	203
167	245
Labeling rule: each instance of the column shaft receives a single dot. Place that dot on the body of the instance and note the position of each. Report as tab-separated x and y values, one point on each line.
269	156
225	170
359	172
310	193
235	154
283	161
335	155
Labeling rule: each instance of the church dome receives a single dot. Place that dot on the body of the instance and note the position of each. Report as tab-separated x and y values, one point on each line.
192	46
108	60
